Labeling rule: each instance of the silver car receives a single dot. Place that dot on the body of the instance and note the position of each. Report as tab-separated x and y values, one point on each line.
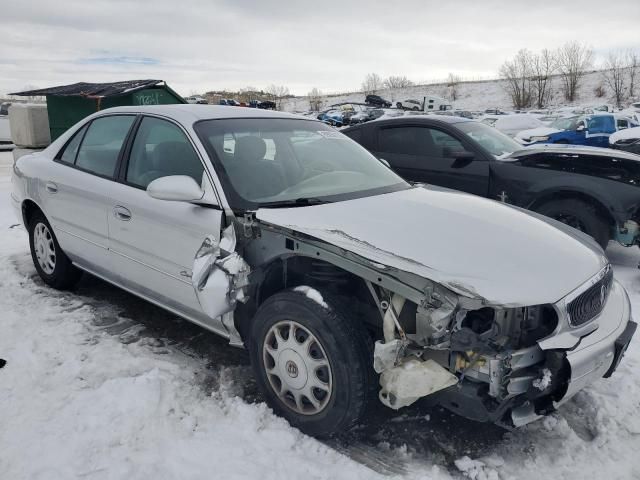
343	281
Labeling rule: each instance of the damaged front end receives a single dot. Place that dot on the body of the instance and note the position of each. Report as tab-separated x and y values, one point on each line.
217	268
508	365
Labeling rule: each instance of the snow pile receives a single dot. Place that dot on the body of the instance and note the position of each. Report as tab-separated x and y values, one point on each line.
312	294
543	383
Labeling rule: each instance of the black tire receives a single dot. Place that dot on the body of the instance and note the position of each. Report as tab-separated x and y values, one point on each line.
416	109
64	275
581	215
399	105
347	348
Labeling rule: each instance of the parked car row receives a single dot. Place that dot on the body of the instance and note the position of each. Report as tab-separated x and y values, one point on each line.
345	279
263	104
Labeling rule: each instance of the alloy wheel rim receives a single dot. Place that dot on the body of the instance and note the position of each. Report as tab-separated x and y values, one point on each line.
297	367
44	248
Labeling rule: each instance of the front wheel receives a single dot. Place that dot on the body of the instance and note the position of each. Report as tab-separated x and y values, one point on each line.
399	105
579	215
312	360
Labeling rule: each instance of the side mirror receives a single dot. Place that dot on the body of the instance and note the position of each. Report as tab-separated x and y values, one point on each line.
177	188
581	128
385	163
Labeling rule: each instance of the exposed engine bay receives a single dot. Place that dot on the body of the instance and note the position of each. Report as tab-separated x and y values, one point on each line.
491	354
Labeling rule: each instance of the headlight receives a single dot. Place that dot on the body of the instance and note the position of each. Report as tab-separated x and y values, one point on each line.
539	139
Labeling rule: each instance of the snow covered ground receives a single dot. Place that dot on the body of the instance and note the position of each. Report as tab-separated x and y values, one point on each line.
101	385
477	95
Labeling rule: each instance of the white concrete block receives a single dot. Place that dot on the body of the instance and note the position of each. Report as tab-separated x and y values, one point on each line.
29	124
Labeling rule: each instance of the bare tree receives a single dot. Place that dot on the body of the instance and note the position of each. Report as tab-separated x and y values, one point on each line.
315	99
574	59
517	73
600	91
543	65
277	93
397	81
614	75
372	83
633	62
452	86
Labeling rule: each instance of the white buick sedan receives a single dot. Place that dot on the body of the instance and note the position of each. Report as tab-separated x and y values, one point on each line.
344	282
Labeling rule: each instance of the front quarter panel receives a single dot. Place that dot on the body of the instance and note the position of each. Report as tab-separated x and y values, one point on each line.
530	180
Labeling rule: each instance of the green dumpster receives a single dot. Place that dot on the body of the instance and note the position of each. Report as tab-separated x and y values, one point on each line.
68	104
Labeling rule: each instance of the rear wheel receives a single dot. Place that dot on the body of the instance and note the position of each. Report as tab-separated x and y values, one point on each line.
312	361
579	215
416	108
399	105
51	263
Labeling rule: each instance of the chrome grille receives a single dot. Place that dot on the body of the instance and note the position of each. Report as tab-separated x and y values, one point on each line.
589	304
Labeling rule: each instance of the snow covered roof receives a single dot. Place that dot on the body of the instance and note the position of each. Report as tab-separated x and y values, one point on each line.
625	134
93	90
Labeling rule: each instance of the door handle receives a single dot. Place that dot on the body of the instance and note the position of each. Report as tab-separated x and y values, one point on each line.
122	213
51	187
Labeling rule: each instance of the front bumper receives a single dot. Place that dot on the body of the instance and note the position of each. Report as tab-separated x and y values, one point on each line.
596	355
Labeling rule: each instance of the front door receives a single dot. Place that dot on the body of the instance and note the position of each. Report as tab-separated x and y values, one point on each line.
153	242
431	155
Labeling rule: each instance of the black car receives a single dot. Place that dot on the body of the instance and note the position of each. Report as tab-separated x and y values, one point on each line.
267	105
377	101
595	190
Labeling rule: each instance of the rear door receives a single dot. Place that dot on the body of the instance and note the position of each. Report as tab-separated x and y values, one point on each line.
77	189
430	155
153	242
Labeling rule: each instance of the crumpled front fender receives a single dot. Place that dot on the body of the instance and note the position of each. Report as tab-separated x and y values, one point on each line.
220	275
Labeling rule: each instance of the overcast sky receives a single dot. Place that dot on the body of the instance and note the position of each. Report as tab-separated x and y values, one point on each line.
201	45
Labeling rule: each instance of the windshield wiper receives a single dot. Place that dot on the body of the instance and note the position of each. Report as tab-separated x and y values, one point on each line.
297	202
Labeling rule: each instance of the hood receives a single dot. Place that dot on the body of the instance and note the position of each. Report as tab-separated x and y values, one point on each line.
571	150
473	246
536	132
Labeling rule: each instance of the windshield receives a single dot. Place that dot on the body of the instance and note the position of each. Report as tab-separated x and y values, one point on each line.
496	142
284	162
570	123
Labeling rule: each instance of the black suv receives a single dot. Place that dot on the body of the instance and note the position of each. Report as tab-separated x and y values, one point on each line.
595	190
377	101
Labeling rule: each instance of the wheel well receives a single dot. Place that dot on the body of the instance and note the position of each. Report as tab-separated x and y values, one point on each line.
289	272
29	207
601	209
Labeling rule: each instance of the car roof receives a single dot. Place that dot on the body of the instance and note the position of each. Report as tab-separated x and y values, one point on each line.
189	113
425	119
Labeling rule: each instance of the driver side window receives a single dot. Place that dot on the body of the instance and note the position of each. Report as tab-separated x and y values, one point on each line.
161	149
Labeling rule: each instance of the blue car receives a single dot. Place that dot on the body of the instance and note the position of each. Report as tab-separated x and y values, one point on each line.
592	130
334	117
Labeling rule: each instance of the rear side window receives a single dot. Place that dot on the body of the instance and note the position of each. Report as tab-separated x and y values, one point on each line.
405	140
68	154
102	143
161	149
